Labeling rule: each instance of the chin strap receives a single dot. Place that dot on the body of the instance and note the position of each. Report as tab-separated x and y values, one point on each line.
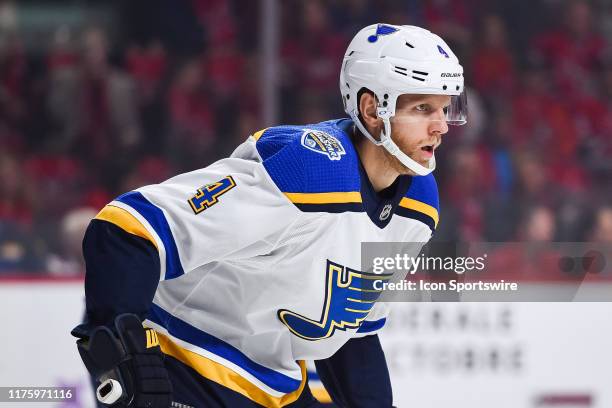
355	116
391	147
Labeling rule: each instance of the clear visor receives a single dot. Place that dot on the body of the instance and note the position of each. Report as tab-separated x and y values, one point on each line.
451	109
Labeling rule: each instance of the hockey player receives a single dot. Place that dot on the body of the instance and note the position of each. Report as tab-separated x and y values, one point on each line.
244	269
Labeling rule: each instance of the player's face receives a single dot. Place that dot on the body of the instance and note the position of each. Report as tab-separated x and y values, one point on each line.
418	126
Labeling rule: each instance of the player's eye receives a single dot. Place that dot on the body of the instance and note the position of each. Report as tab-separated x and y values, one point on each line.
423	107
445	109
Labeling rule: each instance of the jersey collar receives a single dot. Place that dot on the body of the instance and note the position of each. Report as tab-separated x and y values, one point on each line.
381	206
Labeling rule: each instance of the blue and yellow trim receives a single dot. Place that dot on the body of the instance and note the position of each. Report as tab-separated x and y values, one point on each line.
317	388
126	221
228	378
421	202
325	198
257	135
334	202
422	208
321	394
220	373
156	219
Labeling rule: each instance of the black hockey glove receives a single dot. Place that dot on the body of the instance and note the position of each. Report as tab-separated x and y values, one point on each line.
128	365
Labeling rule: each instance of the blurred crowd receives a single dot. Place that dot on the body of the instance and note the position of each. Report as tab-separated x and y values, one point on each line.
173	86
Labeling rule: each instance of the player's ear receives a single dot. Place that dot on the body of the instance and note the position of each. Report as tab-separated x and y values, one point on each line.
367	110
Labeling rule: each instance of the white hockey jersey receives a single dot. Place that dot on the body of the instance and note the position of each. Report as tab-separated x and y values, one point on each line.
260	255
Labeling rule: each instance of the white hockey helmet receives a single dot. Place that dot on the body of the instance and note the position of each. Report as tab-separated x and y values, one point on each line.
393	60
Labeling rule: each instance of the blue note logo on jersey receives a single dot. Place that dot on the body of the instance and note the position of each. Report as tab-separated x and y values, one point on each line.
349	297
323	143
381	29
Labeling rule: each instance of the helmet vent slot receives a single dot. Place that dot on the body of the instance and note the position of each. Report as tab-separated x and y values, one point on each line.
420	73
400	72
409	45
418	78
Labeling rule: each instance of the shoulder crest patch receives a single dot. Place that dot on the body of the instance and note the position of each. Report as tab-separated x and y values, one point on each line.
323	143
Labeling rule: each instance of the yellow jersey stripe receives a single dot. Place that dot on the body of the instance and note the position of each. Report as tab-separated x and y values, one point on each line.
325	198
258	134
420	207
360	301
321	394
356	310
126	221
228	378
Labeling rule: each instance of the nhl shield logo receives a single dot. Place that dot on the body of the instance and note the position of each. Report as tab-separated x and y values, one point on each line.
386	211
323	143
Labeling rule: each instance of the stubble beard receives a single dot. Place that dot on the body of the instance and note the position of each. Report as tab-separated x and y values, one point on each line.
393	162
396	165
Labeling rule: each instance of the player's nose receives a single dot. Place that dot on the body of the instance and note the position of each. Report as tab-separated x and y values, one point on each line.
438	126
438	123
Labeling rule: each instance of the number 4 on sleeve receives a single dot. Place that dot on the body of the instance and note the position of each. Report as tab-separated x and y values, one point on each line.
208	195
